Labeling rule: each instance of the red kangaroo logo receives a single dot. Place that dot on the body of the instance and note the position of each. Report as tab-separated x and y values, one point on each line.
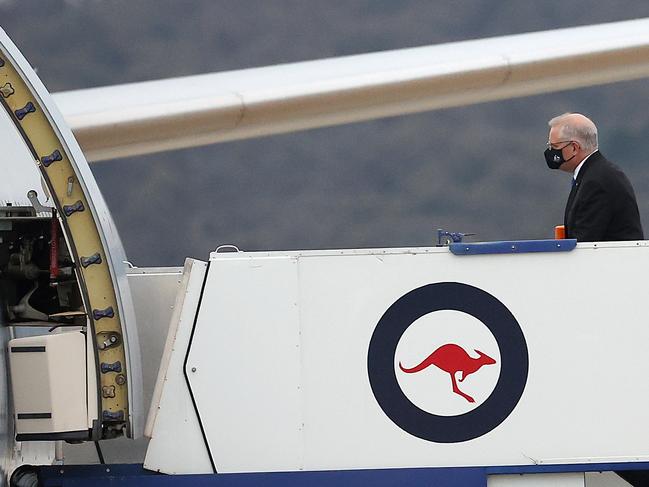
452	358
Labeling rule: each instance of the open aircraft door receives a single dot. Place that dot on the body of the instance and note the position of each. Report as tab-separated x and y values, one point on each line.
61	273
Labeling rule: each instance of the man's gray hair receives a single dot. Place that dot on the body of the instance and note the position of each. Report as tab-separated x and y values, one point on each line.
573	126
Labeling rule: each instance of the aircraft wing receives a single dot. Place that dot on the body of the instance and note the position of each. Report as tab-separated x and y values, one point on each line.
140	118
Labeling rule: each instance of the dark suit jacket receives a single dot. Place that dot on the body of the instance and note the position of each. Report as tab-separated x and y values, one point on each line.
602	205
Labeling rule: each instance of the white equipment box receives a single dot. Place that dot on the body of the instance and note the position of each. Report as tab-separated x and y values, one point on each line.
48	382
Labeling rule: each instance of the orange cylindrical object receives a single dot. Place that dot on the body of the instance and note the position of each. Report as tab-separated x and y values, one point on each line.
559	232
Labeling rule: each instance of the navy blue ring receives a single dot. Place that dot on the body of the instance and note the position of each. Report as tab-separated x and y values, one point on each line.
514	362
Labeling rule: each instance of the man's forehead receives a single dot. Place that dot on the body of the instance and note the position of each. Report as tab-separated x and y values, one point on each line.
554	133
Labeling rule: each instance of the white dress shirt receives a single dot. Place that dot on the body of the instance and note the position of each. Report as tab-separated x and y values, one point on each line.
574	174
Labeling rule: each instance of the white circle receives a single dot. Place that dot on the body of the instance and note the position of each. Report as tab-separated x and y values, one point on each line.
431	389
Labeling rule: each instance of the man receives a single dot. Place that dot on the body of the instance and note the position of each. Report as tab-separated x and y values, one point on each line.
601	205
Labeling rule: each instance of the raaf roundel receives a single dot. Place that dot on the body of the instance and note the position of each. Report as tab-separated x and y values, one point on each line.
451	358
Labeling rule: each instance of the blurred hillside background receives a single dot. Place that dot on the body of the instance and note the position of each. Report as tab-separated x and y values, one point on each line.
380	184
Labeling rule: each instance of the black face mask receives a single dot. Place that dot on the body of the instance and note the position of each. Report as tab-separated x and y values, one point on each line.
554	157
